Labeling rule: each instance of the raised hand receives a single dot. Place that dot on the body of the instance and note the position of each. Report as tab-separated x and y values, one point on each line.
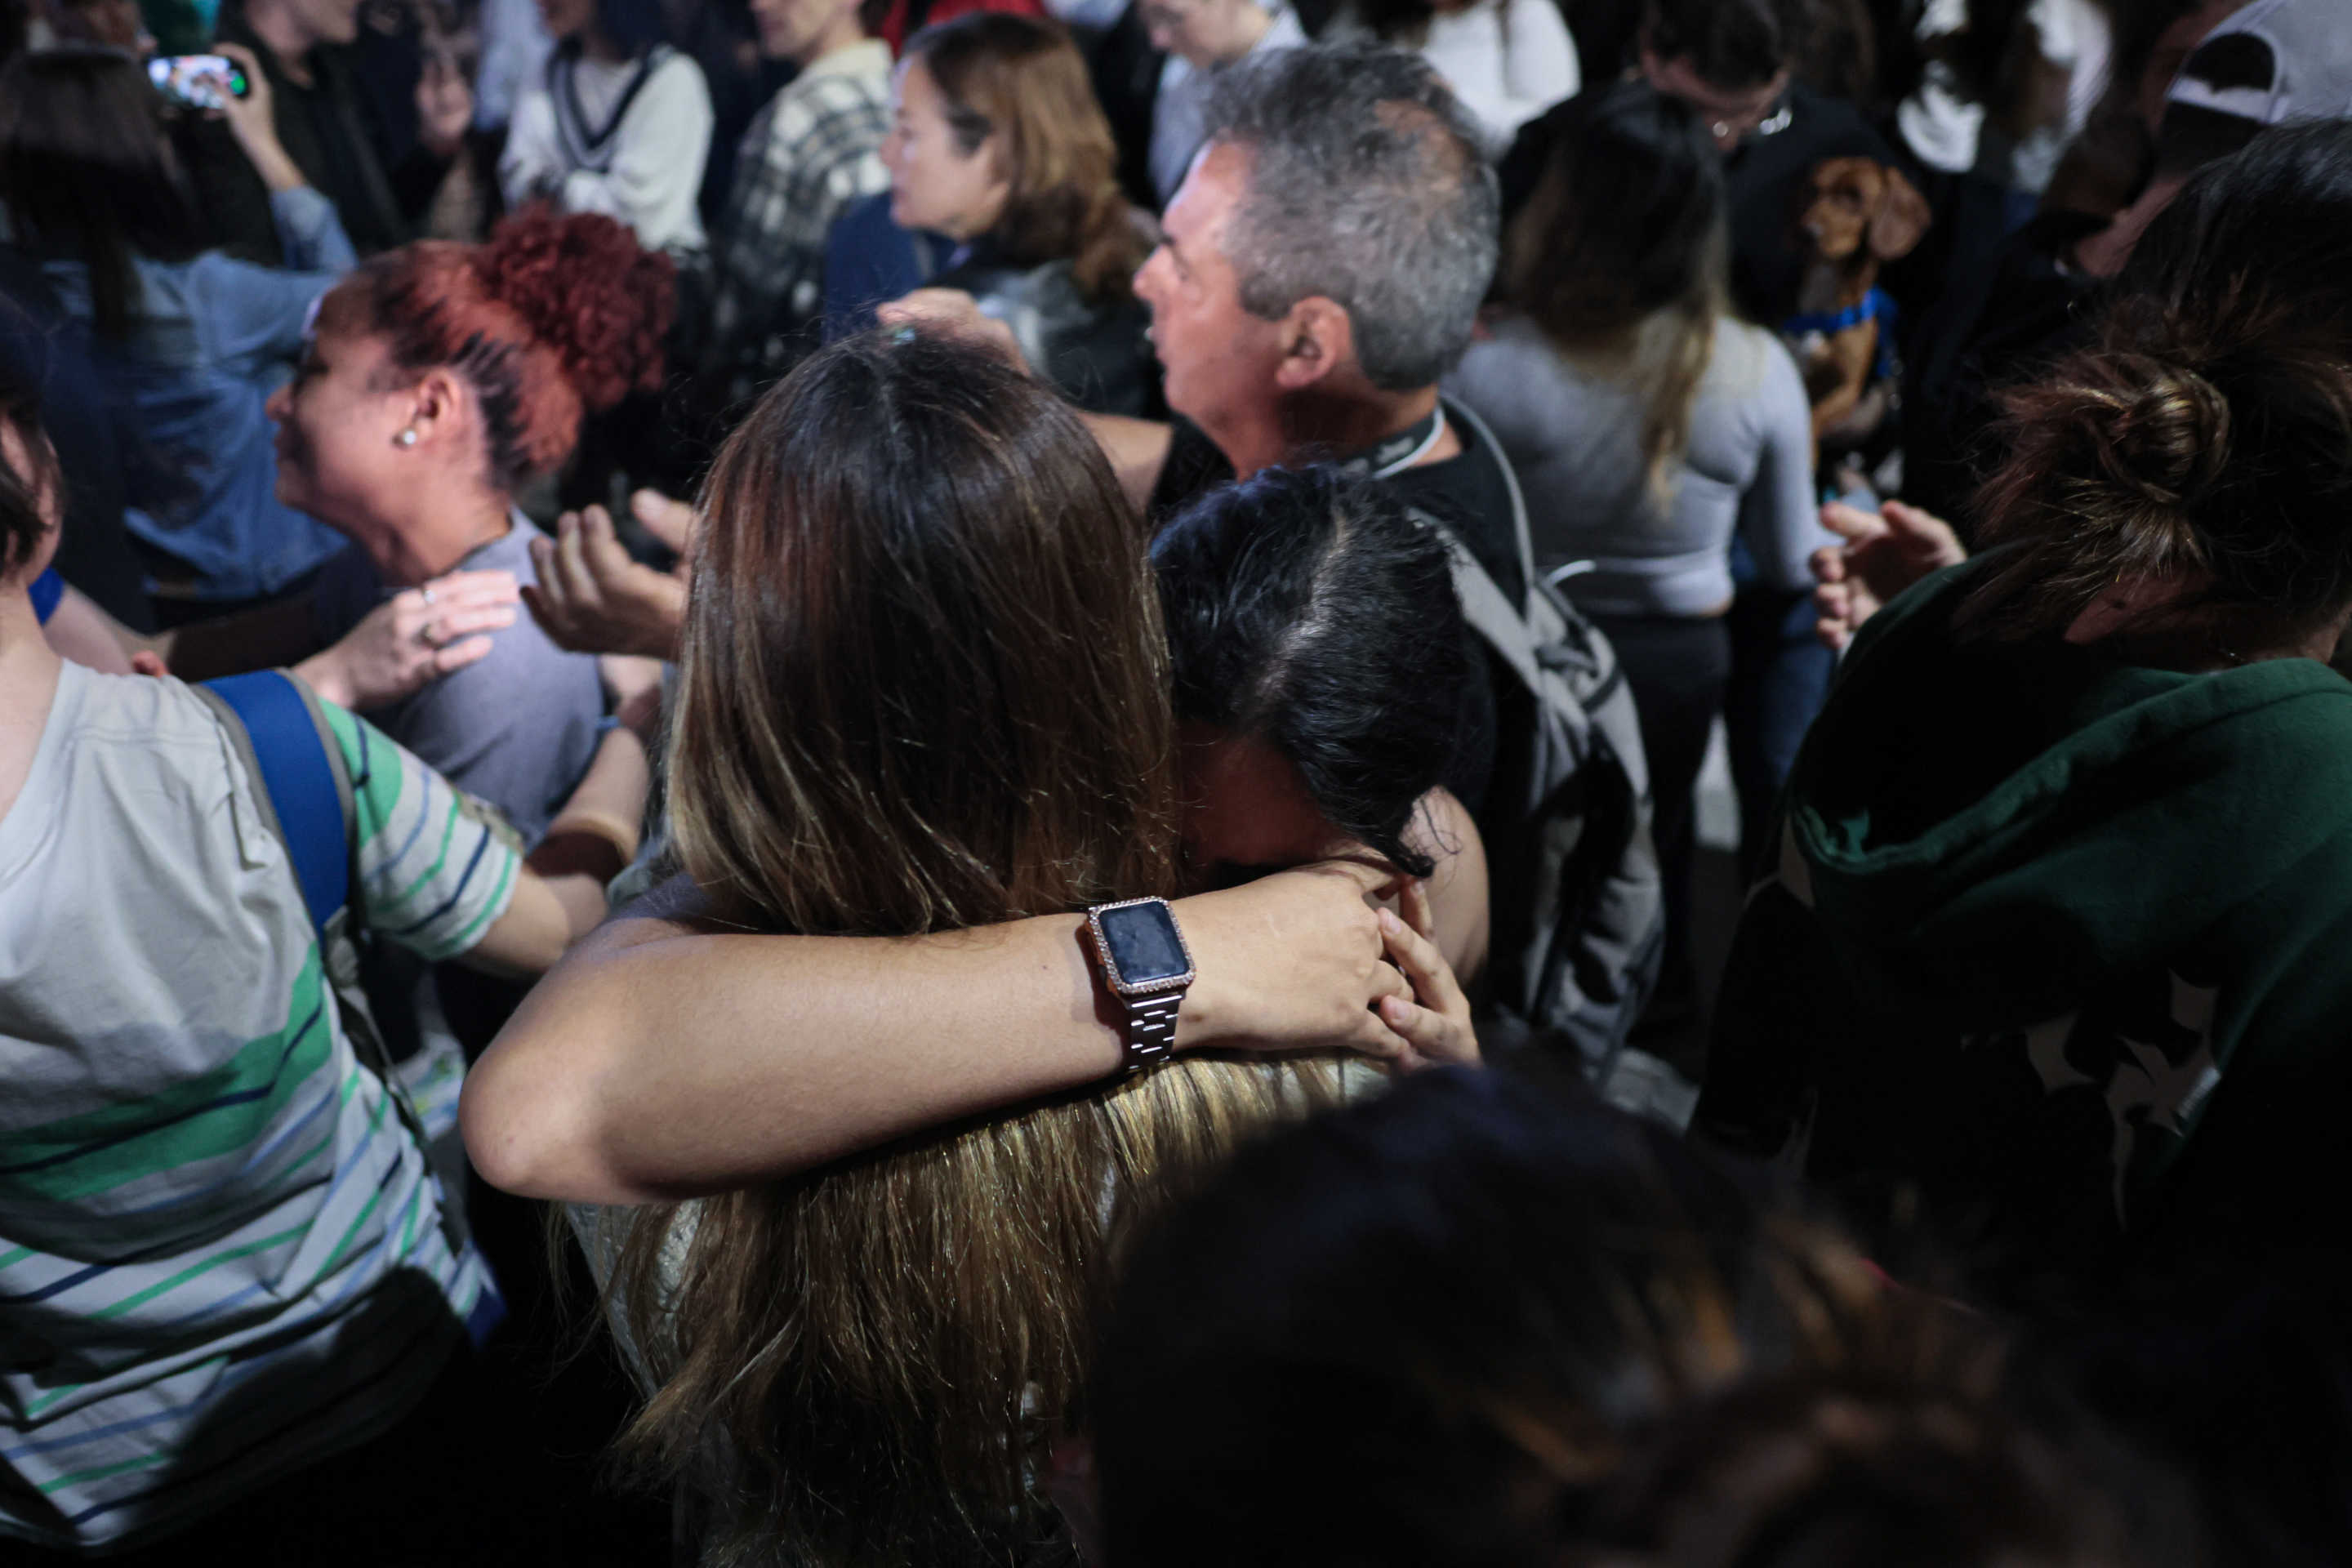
1884	552
592	596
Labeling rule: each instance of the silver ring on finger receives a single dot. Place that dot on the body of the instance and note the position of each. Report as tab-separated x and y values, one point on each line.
426	592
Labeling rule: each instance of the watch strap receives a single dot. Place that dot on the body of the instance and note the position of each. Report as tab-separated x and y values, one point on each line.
1151	1029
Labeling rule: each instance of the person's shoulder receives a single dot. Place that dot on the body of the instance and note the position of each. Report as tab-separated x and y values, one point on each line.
676	77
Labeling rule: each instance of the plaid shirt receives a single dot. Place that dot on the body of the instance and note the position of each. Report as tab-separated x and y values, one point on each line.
814	149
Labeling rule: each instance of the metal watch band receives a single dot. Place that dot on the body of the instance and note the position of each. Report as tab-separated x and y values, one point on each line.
1151	1029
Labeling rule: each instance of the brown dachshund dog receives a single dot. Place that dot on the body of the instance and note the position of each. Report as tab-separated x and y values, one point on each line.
1858	214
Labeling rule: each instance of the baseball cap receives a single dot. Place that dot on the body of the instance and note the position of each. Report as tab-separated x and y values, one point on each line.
2274	61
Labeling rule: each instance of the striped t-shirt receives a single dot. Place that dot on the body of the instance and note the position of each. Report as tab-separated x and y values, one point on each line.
221	1255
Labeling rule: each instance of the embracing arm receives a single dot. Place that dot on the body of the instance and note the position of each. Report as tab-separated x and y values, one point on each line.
658	1061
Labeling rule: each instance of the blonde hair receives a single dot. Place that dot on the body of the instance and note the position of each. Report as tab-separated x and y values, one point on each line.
923	687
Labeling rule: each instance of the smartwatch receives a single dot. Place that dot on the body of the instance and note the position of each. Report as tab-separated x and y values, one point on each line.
1147	967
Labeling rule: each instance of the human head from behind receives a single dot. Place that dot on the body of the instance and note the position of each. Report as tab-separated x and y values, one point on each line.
923	687
1620	253
32	488
88	173
1204	33
995	132
292	28
1331	245
1729	59
1316	646
603	29
803	31
1445	1325
2181	491
440	377
109	24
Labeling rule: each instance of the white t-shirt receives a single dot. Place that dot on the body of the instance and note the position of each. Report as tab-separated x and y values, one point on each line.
221	1255
1507	60
584	140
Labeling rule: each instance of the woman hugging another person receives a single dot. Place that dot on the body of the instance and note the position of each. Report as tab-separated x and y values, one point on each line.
924	688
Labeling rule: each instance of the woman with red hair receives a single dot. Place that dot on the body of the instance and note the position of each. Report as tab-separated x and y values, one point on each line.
437	380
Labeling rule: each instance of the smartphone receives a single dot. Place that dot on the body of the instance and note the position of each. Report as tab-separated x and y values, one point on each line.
192	79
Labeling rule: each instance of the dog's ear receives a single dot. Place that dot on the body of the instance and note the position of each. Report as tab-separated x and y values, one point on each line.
1901	220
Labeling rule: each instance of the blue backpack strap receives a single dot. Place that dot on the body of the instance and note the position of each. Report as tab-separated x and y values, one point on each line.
301	780
47	589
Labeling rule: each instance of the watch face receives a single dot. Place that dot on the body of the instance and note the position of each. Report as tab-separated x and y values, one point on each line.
1142	943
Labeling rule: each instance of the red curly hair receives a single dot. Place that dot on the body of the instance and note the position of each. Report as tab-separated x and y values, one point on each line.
551	318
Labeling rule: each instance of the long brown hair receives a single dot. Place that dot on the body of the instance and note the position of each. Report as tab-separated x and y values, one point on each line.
1024	80
1618	257
923	687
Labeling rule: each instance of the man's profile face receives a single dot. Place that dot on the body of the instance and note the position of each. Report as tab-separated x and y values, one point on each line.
1220	361
1729	113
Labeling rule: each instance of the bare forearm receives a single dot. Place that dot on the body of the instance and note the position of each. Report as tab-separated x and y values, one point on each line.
1137	450
775	1054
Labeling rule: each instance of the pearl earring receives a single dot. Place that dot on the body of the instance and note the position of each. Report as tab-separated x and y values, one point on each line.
405	439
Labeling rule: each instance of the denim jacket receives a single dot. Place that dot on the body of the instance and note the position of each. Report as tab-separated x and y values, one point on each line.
214	336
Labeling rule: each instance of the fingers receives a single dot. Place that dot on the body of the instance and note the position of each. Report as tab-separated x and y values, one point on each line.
1372	879
1417	960
1412	904
147	662
1926	533
1834	606
667	519
1436	1020
573	579
1828	563
446	626
1852	523
465	589
458	654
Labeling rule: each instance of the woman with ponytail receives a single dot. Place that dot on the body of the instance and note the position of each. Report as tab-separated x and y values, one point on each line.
2054	955
997	143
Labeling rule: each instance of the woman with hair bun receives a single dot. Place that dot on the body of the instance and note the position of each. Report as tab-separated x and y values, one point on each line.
2054	955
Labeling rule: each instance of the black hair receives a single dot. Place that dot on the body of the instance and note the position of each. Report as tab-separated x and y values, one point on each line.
1306	609
86	173
22	523
1490	1321
1730	44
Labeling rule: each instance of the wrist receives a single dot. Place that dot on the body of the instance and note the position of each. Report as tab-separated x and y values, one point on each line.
323	674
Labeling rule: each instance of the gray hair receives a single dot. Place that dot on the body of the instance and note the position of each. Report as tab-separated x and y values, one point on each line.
1367	186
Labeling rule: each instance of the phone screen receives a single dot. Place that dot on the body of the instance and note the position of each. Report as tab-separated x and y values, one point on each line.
191	78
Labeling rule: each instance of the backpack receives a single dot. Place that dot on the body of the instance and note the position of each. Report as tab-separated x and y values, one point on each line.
309	804
1579	903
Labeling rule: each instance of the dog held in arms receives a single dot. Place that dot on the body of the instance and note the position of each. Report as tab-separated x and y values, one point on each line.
1858	214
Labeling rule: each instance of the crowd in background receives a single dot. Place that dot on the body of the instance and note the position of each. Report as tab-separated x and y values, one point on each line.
614	614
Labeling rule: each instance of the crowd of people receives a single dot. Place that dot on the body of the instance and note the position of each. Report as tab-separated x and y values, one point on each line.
858	784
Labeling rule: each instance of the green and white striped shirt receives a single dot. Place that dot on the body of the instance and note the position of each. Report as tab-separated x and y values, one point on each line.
221	1255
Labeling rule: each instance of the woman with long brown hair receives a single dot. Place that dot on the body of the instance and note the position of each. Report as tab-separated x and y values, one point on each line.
998	145
924	688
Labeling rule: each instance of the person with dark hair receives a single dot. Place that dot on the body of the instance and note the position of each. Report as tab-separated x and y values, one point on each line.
997	146
810	155
923	687
1316	646
2051	954
326	118
1652	427
1485	1321
225	1260
189	338
619	124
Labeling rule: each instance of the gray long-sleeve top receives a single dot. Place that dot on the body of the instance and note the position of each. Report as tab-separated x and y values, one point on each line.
1574	435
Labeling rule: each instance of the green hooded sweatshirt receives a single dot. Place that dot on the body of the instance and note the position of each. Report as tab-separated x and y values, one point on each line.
2058	954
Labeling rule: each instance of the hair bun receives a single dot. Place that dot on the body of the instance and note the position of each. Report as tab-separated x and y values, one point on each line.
589	293
2160	430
